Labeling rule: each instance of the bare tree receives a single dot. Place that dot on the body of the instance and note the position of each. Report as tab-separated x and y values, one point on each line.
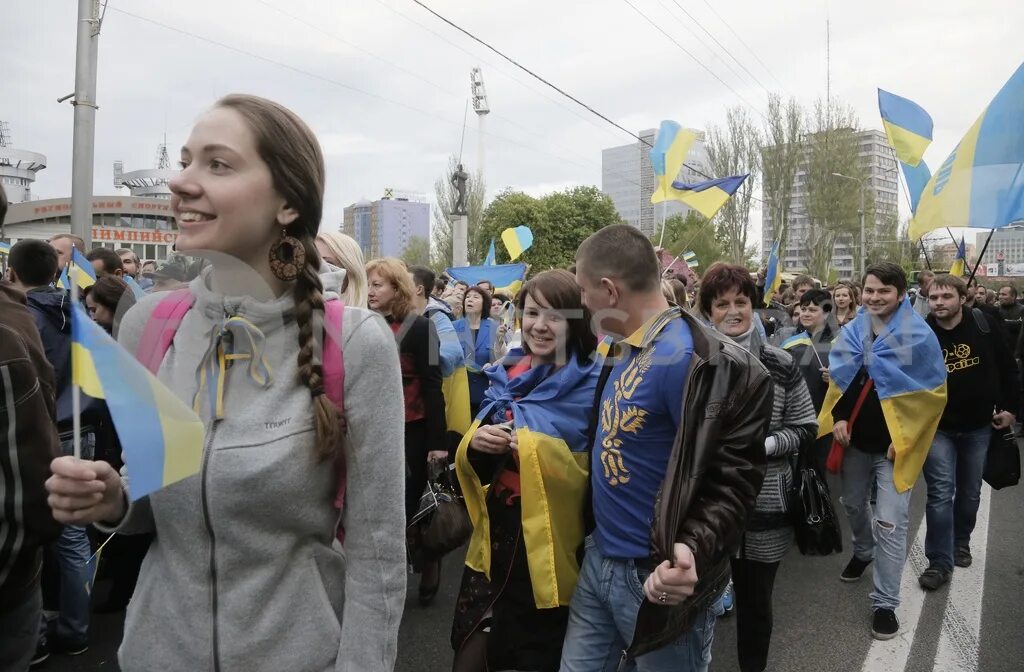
832	146
735	150
446	196
780	159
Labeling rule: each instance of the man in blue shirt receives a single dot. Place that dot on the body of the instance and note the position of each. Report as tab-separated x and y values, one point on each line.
657	559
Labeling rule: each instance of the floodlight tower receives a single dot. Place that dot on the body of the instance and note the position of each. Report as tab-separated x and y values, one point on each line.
482	109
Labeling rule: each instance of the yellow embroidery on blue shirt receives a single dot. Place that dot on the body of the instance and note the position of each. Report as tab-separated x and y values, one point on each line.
618	417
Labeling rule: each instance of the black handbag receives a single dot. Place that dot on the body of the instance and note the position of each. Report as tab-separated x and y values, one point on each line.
442	522
1002	464
814	518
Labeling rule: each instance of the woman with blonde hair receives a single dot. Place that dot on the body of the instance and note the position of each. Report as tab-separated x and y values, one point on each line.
342	251
846	298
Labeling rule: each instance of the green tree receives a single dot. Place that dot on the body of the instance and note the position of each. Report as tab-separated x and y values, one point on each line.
417	252
445	197
695	233
735	150
560	222
780	159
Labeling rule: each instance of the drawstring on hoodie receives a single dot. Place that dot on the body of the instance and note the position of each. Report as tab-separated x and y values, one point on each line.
223	351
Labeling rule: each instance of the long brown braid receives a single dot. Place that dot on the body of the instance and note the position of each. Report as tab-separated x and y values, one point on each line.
291	151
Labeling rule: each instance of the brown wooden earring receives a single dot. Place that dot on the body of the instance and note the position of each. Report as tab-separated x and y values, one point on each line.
287	257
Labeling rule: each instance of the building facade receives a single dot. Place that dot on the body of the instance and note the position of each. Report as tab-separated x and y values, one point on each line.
18	168
627	178
882	181
385	227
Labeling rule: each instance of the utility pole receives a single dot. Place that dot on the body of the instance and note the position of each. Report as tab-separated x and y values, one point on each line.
86	55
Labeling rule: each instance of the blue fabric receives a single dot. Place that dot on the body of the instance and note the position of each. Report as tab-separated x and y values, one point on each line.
450	347
905	113
545	399
602	618
953	472
904	357
917	178
641	409
501	275
477	354
727	184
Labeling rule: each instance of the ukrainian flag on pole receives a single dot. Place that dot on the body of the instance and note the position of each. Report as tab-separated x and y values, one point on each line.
517	240
708	197
773	276
86	276
161	437
909	371
668	154
909	130
981	184
959	267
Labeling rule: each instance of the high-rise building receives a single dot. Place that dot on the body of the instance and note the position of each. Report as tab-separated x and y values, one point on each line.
879	163
385	227
627	177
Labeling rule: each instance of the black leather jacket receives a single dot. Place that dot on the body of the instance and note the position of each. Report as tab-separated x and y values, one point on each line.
714	473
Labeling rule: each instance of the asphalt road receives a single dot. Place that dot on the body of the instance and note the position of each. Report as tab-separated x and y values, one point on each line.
820	622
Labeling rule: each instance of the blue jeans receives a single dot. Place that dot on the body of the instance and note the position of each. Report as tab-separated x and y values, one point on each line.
72	552
953	473
879	532
602	618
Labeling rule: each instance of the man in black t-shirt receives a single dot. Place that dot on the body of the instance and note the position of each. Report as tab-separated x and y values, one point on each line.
983	393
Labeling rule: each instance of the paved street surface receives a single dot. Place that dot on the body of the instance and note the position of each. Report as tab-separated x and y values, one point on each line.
820	623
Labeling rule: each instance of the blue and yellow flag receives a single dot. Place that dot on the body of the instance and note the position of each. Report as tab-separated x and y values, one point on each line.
86	273
803	338
708	197
909	371
917	178
554	467
668	155
489	261
907	125
773	276
506	278
959	267
161	437
517	240
5	248
981	184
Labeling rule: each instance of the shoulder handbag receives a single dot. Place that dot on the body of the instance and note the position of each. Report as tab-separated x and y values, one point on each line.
442	518
814	518
1002	464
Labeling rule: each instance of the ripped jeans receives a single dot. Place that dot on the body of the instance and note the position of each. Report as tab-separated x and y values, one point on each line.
879	533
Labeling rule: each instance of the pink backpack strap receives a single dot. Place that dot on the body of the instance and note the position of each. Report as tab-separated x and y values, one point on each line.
158	334
334	386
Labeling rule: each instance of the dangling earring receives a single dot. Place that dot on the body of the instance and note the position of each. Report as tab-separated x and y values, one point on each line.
287	257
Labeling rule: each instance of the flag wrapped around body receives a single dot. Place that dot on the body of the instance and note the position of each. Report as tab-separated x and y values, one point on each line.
959	267
981	184
506	278
708	197
773	276
909	372
668	155
517	240
554	459
161	437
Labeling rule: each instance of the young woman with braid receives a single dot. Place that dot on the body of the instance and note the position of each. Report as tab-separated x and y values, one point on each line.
244	571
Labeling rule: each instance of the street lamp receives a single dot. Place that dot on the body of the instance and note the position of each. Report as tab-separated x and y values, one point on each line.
863	243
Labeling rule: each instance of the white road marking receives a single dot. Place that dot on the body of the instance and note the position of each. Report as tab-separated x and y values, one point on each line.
961	625
892	655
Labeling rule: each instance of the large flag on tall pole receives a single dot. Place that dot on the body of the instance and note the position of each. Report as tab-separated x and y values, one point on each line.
981	184
909	130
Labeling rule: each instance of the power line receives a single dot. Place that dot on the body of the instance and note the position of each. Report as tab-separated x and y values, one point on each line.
690	54
722	46
752	53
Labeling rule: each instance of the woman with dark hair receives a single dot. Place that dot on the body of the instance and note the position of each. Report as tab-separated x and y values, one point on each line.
727	297
523	468
107	300
245	572
478	333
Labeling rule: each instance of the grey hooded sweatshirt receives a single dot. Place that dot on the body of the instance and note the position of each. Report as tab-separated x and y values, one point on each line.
244	573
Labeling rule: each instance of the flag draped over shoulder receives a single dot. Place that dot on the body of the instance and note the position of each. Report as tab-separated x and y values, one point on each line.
550	413
708	197
161	437
908	369
981	184
668	155
773	276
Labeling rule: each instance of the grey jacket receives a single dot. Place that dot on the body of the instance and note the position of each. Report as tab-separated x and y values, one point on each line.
244	572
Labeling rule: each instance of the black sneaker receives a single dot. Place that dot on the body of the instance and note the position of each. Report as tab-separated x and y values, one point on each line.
854	569
69	648
41	655
933	578
962	557
884	624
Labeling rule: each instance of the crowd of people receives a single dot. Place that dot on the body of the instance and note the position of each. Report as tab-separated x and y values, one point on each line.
627	448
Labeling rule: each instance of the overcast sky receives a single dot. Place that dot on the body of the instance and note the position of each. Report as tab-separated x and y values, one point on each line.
384	84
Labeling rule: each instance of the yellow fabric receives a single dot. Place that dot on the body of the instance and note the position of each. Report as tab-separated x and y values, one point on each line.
83	371
651	328
456	401
554	485
912	420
